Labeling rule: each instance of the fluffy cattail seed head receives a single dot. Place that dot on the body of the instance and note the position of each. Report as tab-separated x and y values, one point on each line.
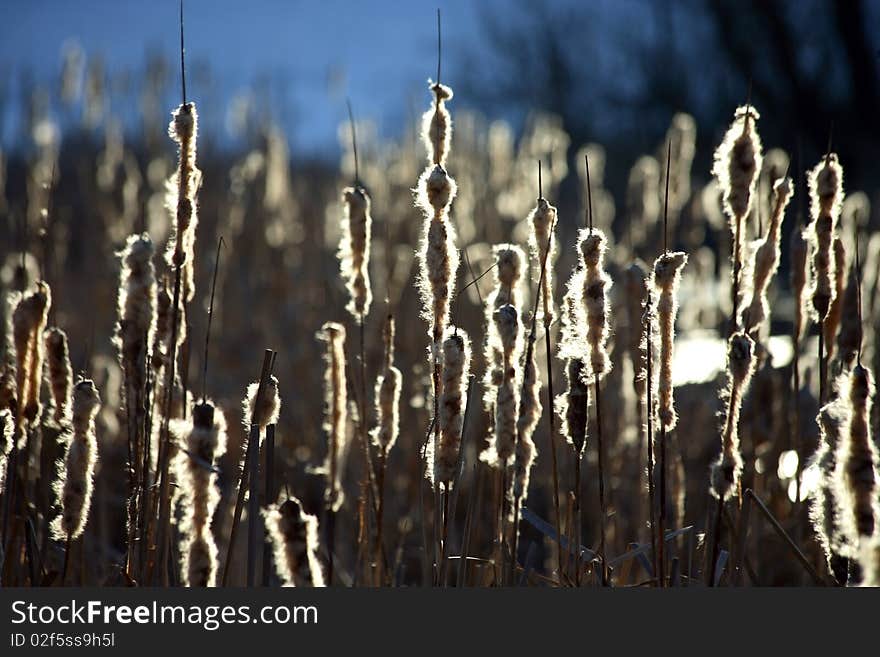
74	485
294	537
726	471
456	351
542	244
529	413
825	504
269	408
825	182
354	250
335	409
437	125
204	440
387	394
60	373
438	255
666	280
181	196
826	197
28	322
136	324
859	460
592	245
738	161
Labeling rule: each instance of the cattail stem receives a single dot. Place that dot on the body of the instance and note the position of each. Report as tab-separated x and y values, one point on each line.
380	515
502	498
268	474
67	546
552	422
823	365
649	411
661	516
330	522
577	526
603	511
797	440
368	461
253	503
716	538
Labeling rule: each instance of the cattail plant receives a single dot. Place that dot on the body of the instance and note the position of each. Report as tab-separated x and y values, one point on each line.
203	440
726	471
737	165
74	485
181	201
135	329
592	245
767	260
542	242
294	537
572	405
335	410
60	373
665	282
28	322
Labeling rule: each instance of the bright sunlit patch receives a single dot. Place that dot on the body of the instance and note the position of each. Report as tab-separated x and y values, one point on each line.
809	484
698	358
701	355
788	462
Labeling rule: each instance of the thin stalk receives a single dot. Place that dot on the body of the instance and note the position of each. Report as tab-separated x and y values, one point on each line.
661	516
67	545
268	498
823	365
603	511
459	469
380	514
551	418
716	539
253	503
576	523
797	442
649	411
473	503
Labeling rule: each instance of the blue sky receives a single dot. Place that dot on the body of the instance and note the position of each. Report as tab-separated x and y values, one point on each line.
378	53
